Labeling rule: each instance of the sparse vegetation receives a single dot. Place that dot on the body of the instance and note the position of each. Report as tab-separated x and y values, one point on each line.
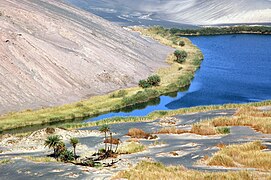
74	141
105	129
53	142
131	147
40	159
5	161
152	170
245	116
139	133
245	155
171	130
160	114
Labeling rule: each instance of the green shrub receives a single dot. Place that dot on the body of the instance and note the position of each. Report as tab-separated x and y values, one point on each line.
172	87
154	80
197	61
173	30
66	156
118	94
186	79
223	130
180	55
144	84
181	43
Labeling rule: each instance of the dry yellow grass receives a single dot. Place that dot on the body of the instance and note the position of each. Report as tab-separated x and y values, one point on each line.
245	116
248	155
150	171
171	130
137	133
203	129
40	159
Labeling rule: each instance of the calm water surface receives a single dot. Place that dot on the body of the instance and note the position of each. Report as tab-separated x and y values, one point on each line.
236	69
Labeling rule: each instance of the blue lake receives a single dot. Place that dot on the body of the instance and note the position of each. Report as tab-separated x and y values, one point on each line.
236	69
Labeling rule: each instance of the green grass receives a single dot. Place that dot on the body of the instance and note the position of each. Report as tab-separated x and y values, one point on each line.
171	80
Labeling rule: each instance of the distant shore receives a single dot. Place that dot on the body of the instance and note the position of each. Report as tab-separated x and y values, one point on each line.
221	30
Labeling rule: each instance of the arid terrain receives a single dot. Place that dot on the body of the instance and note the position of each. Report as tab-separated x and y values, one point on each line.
193	12
52	54
27	160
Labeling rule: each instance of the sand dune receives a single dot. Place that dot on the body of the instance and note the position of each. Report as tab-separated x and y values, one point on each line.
51	54
200	12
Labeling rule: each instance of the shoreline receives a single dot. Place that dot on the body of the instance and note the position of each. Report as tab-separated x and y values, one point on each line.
221	30
105	103
84	109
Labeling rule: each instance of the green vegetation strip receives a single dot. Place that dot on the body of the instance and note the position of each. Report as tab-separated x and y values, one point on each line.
171	78
160	114
220	30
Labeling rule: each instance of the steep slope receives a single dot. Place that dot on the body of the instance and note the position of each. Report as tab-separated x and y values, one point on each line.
200	12
51	54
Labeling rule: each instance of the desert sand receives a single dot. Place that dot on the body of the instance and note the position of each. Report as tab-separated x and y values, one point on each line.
52	54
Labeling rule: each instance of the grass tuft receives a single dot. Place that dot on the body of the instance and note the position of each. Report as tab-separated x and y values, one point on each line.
153	170
131	147
248	155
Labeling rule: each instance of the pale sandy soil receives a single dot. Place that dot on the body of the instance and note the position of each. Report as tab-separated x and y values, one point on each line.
184	149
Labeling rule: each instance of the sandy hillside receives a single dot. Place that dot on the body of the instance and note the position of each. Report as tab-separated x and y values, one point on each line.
51	54
200	12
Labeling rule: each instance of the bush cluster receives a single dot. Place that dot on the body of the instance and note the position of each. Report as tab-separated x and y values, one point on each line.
180	56
153	80
139	97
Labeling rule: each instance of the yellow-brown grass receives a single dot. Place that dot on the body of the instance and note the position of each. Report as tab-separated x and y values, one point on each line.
245	116
137	133
171	130
203	129
248	155
40	159
150	170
